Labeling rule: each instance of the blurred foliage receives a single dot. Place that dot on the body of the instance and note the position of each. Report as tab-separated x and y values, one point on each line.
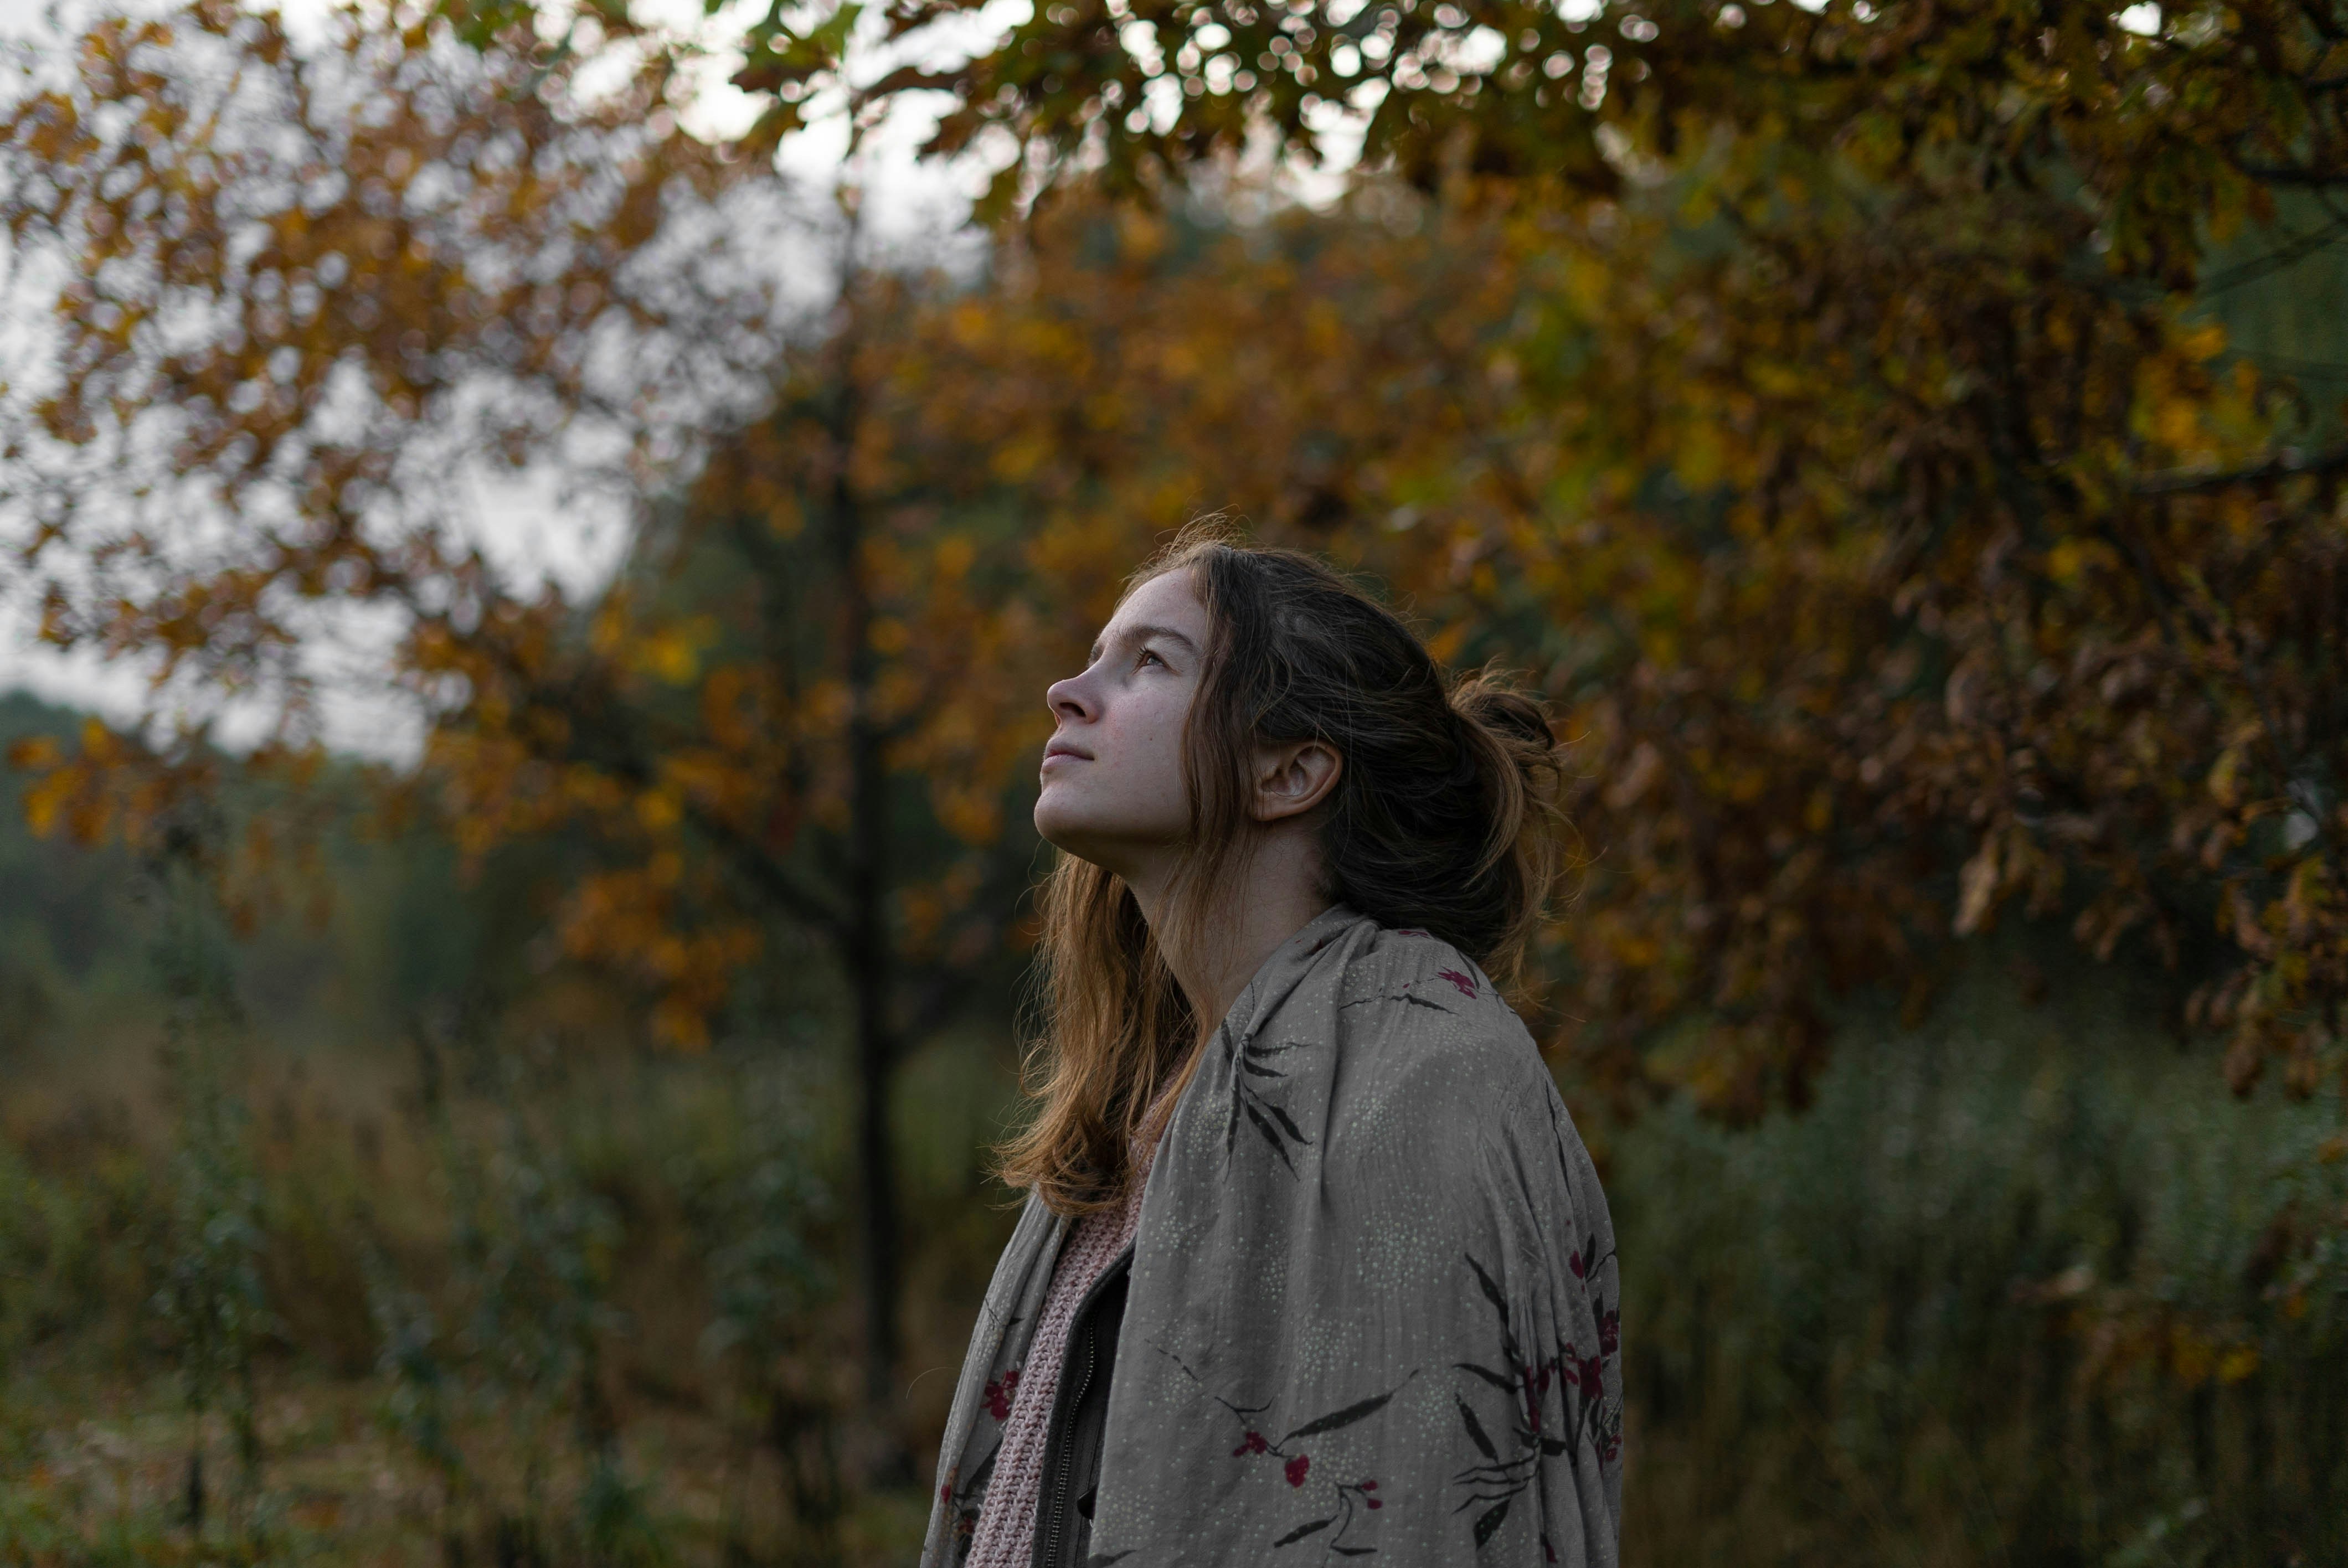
1878	503
2013	1289
1868	445
445	1275
1902	439
786	714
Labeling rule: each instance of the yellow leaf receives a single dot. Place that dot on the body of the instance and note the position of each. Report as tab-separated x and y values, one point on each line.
2222	788
45	800
2205	342
1976	886
658	810
672	657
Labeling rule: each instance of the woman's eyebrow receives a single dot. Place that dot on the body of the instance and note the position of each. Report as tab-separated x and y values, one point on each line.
1132	634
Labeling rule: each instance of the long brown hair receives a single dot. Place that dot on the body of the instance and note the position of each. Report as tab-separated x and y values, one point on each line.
1444	818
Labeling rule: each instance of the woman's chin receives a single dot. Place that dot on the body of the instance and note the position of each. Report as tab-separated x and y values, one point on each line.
1071	833
1058	826
1071	838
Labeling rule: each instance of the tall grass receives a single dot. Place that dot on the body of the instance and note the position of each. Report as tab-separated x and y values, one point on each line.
553	1303
2014	1291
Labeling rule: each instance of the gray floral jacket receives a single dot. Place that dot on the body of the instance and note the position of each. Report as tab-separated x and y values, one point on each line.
1374	1307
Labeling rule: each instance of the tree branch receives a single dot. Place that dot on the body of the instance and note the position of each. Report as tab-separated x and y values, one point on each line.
2178	482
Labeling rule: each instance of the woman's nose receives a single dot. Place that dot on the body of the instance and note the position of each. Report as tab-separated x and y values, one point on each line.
1067	699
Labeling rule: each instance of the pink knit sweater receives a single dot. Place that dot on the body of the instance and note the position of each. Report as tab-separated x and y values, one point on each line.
1005	1535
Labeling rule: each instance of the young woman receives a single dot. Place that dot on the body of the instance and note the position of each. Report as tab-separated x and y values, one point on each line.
1314	1264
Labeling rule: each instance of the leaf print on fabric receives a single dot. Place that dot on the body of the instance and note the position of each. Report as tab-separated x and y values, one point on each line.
1251	1058
1403	995
1529	1436
1476	1428
1349	1501
1466	983
1348	1498
1344	1418
966	1498
1587	1265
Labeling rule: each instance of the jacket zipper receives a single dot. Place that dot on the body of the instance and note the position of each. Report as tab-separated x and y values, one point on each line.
1059	1492
1060	1484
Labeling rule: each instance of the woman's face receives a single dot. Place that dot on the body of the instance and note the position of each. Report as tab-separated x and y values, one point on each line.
1113	788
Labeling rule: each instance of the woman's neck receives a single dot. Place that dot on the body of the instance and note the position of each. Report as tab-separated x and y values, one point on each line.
1277	895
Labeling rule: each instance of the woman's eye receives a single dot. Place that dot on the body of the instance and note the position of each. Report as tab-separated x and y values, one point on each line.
1146	656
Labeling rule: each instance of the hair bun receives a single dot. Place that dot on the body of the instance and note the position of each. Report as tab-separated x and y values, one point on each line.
1488	700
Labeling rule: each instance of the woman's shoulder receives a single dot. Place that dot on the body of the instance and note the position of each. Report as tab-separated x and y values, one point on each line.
1438	1087
1430	1015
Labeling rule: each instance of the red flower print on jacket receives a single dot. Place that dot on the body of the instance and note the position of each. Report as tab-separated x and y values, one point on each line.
999	1393
1466	983
1514	1449
1296	1466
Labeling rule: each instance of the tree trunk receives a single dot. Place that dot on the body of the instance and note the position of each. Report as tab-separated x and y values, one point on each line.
868	956
876	1174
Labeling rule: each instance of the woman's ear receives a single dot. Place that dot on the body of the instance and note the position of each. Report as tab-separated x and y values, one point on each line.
1292	778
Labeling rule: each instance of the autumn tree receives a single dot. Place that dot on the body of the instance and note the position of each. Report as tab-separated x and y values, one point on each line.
1906	543
301	298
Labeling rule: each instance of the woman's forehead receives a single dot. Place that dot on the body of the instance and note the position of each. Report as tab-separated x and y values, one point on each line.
1168	597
